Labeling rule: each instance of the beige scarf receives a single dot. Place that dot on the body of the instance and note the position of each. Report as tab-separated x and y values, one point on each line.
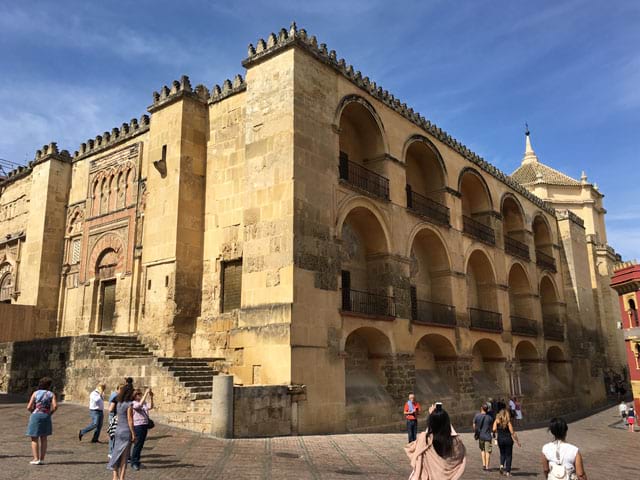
428	465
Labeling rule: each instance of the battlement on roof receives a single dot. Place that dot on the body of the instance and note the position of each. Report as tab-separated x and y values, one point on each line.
299	37
109	139
229	87
179	89
49	151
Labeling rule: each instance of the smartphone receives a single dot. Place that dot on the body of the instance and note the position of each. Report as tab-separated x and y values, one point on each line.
438	406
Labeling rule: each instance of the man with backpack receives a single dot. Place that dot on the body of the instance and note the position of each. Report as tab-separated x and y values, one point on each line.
482	424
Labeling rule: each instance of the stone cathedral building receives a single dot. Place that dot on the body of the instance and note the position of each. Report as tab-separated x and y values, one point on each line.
302	227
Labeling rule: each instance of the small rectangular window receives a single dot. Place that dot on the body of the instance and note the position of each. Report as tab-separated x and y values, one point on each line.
75	251
149	285
231	285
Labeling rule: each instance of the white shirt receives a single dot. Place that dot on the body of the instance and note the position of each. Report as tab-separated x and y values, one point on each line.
95	401
566	451
512	405
623	408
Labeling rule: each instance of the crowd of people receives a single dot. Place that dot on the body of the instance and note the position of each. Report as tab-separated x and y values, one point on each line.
128	425
439	453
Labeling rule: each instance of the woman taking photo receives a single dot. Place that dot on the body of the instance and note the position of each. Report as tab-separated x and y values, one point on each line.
42	404
125	434
561	459
141	423
438	453
506	436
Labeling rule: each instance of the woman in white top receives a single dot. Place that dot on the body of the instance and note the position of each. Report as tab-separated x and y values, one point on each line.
561	460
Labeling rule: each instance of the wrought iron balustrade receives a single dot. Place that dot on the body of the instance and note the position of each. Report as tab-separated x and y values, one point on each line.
524	326
478	230
553	328
368	303
516	248
485	320
545	261
427	207
363	178
426	312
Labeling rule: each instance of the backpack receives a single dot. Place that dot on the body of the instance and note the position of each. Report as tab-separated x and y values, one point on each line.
558	470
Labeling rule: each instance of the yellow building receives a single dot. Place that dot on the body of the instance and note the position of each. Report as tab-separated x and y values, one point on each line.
313	230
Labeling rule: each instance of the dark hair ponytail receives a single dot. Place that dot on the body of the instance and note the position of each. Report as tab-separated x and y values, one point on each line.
126	393
439	426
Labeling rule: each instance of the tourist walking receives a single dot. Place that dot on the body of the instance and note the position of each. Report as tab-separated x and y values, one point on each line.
42	404
411	413
482	424
113	403
125	433
561	460
518	411
438	453
624	410
631	418
141	423
503	427
96	411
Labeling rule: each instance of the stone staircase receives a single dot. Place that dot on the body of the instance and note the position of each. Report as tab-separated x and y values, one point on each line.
116	347
195	375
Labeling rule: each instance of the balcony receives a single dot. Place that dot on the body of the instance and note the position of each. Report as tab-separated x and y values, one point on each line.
524	326
478	230
485	320
363	178
368	303
516	248
553	329
431	313
545	261
427	208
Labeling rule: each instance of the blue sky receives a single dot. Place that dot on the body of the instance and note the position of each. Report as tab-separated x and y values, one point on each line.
478	68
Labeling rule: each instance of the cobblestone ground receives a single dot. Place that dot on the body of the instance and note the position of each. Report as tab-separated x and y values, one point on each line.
610	453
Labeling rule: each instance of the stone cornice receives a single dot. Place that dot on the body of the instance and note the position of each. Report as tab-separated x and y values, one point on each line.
179	89
299	37
228	89
46	153
569	215
127	131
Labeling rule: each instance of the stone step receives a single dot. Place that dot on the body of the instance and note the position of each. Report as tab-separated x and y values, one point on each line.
124	350
201	396
119	356
114	339
195	377
189	359
191	369
200	383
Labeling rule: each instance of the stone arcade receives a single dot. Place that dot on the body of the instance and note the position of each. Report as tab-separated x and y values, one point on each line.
305	231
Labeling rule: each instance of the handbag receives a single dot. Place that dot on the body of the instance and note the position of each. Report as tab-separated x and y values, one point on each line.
113	424
150	423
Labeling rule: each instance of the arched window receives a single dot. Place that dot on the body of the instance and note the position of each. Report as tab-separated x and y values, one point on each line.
107	264
6	283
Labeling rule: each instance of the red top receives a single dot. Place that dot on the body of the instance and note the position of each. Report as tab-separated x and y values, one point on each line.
412	415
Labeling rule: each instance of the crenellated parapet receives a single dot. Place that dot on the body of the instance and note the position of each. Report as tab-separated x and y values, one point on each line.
109	139
299	37
47	152
178	89
228	88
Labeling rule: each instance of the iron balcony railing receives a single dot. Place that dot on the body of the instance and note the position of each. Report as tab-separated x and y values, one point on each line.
368	303
478	230
427	207
545	261
553	328
485	320
516	248
524	326
426	312
363	178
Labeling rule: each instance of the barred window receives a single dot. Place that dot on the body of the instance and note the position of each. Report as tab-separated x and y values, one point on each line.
231	285
75	251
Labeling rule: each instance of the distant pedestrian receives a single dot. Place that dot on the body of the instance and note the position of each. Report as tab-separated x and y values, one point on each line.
512	408
519	416
411	413
506	436
113	403
96	411
624	410
482	424
438	453
42	404
561	460
141	423
125	433
631	418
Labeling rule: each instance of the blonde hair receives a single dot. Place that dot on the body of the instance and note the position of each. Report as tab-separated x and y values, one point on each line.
503	417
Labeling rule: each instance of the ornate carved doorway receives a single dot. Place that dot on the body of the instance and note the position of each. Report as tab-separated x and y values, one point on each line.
108	307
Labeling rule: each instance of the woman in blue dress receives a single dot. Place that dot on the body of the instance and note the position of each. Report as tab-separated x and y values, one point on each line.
125	433
42	404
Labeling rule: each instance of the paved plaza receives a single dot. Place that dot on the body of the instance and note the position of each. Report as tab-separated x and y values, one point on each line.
609	451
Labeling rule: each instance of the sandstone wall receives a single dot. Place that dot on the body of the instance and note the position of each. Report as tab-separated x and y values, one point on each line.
261	411
24	322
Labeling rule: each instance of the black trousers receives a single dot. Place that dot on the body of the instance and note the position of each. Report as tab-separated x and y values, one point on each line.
412	430
506	454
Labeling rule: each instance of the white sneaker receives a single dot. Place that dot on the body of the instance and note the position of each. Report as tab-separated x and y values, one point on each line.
35	462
